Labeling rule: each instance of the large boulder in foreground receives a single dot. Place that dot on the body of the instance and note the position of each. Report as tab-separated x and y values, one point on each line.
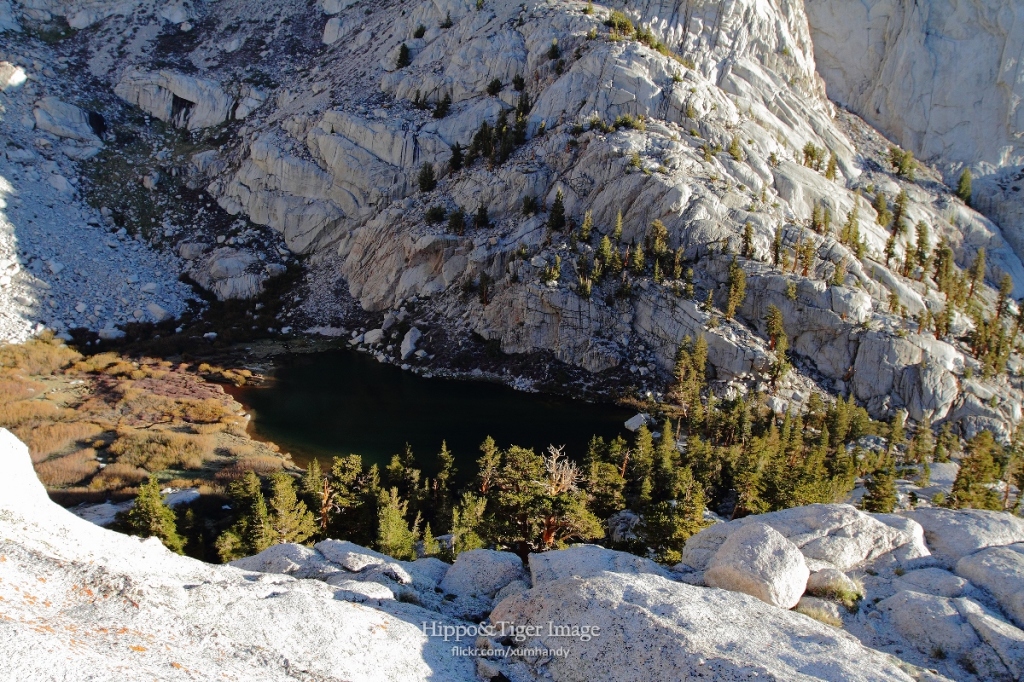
481	573
653	629
757	560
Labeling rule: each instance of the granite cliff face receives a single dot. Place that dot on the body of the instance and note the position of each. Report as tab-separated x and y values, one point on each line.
943	79
700	120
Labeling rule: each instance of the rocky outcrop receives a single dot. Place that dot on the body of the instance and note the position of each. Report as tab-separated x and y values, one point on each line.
1000	570
585	561
81	14
943	82
482	572
64	120
953	535
828	535
655	629
228	273
185	101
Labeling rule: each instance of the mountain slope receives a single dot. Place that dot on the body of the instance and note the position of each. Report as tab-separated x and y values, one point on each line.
707	119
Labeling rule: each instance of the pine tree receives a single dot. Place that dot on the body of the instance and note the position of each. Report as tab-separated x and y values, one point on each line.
587	226
456	160
290	519
427	180
890	249
352	504
881	207
556	217
431	547
818	218
839	274
467	518
777	341
897	432
922	445
830	172
617	232
604	250
963	186
1005	289
150	517
482	220
658	239
636	261
487	465
807	253
457	221
670	523
394	535
515	501
442	485
777	248
923	247
737	289
978	470
748	240
251	532
312	485
977	270
404	57
443	106
881	490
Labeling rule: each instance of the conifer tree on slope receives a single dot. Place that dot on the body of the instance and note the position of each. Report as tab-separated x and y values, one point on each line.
290	519
251	532
150	517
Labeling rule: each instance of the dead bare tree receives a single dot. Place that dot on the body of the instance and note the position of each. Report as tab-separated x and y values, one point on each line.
563	474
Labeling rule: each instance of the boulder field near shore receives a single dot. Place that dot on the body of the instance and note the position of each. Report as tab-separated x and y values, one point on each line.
83	602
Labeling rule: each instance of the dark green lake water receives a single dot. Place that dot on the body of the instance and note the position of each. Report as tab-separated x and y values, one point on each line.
340	402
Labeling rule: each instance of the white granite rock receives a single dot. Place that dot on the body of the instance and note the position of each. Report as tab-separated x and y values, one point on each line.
653	629
1000	570
584	561
757	560
63	120
952	535
481	573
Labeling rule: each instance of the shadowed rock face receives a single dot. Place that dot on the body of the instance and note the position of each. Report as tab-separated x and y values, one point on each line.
941	79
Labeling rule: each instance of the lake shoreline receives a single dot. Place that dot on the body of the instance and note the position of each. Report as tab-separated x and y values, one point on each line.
343	382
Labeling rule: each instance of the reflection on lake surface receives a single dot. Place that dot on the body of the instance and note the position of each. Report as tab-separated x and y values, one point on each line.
341	402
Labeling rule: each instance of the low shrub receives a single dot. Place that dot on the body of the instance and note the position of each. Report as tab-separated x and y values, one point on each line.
45	440
156	450
69	469
39	356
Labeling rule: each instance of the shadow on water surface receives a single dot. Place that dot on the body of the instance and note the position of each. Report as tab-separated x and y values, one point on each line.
342	402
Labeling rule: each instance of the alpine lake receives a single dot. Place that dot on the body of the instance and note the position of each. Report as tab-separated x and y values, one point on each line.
339	402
